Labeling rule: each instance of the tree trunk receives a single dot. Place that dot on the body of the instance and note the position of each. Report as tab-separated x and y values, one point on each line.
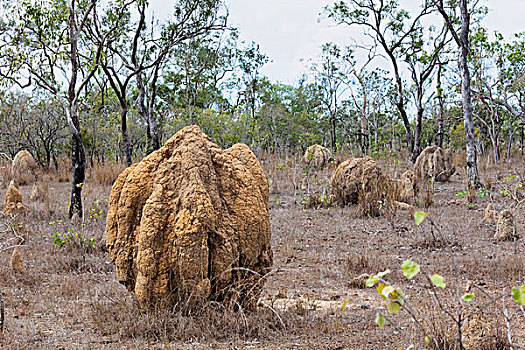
147	116
125	137
333	137
472	167
441	126
400	104
416	150
511	134
78	165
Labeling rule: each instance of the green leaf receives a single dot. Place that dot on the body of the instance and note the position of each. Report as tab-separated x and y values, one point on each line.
518	294
347	301
438	281
419	217
372	280
380	320
384	273
394	307
468	297
410	269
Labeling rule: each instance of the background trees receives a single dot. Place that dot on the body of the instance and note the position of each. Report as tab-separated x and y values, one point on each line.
123	81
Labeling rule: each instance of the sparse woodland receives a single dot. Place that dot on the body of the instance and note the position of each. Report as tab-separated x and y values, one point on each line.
395	173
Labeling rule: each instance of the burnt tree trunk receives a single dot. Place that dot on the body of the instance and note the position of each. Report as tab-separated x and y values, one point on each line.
125	135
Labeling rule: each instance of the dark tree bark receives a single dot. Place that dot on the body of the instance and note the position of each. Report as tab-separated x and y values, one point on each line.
441	121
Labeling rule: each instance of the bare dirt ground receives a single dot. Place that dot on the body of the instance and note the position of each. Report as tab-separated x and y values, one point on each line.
69	298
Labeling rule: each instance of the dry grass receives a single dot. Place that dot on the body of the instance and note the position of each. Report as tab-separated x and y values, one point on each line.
68	297
106	174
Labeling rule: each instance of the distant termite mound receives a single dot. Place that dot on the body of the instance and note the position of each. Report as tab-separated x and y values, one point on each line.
436	163
191	220
317	156
359	180
24	168
13	201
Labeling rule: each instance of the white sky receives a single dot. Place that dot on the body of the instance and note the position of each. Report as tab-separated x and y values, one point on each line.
288	30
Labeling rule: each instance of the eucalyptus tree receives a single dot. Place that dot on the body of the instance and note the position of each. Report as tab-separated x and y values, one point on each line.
422	53
461	37
330	74
134	48
359	88
199	70
43	46
250	60
388	26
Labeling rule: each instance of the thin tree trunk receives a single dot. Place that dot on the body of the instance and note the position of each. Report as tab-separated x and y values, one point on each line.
125	136
472	168
441	107
511	135
147	116
332	132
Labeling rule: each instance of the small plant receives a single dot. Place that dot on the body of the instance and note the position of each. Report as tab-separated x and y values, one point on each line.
459	312
317	201
73	239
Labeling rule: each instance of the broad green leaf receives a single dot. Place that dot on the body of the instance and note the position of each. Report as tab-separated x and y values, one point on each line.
387	290
394	307
410	269
372	280
438	281
347	301
384	273
419	217
518	294
468	297
380	320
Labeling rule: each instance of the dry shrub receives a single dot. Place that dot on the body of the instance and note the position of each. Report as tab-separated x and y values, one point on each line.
61	173
364	263
459	160
5	173
106	174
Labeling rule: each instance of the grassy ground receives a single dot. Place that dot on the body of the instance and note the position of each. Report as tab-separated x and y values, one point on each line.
69	298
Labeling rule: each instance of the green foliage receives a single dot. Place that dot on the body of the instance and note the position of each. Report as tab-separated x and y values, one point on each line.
438	281
73	239
419	217
410	269
518	294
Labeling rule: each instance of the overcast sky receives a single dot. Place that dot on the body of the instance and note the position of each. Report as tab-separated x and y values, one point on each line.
288	30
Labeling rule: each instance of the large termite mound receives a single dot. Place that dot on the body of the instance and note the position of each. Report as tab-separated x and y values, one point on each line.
24	168
317	156
359	180
434	162
191	220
